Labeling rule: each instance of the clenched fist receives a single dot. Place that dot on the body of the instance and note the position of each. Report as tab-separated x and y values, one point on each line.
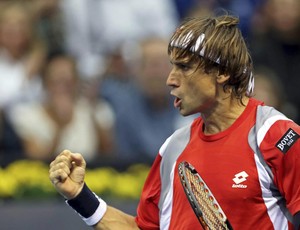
67	173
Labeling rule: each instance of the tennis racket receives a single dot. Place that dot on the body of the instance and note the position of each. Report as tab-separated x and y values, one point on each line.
204	204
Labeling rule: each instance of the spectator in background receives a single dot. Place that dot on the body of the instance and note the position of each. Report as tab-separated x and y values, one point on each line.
11	148
116	82
22	54
275	43
50	26
243	9
269	89
144	111
94	28
64	119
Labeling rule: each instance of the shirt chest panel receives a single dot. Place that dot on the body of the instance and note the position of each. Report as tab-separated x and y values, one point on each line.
229	169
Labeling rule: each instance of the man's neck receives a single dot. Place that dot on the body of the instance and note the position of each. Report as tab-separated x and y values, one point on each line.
224	115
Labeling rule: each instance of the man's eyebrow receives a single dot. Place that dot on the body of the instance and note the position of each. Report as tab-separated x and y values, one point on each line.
181	61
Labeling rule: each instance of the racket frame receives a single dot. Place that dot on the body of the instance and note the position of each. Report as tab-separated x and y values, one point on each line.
191	197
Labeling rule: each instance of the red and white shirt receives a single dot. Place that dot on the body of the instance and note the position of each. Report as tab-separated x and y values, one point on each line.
251	168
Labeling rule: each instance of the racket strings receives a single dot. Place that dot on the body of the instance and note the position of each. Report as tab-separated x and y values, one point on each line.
210	209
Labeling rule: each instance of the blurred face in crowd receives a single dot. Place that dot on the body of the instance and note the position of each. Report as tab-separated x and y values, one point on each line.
154	69
284	15
61	77
268	89
15	30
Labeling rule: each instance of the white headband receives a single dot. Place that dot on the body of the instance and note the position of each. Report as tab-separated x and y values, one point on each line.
183	43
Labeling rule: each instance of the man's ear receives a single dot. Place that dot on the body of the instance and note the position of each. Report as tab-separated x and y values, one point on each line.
221	79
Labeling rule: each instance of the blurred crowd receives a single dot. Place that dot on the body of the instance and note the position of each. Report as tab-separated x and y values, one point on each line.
90	75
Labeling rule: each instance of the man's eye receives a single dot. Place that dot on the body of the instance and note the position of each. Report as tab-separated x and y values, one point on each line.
184	67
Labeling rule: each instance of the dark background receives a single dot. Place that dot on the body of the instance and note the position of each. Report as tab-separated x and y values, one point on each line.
48	214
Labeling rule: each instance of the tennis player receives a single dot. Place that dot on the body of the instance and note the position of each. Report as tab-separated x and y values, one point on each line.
247	153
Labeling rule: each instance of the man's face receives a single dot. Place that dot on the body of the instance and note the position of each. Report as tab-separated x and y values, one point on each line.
194	90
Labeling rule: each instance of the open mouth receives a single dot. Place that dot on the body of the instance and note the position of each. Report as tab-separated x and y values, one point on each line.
177	102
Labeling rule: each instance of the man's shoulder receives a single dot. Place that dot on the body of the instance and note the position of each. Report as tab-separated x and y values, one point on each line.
180	137
273	124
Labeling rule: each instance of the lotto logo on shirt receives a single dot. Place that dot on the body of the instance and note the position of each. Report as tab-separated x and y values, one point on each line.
287	141
239	178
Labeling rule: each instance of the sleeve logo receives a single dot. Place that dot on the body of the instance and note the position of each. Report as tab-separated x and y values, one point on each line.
287	141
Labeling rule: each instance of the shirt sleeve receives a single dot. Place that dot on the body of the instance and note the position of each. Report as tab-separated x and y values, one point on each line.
281	150
148	212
